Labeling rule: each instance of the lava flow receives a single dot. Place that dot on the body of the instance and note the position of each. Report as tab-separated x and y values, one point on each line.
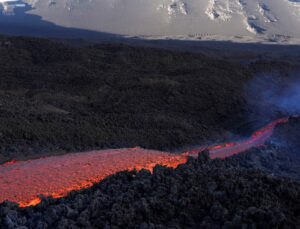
226	150
24	181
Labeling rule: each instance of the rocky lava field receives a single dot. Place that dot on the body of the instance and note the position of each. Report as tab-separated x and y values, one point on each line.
59	99
25	181
219	193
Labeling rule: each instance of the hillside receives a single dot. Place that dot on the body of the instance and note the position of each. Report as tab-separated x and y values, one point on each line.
268	21
57	98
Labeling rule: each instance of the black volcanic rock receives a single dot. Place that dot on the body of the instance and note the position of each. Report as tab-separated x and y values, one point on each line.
211	194
55	98
280	156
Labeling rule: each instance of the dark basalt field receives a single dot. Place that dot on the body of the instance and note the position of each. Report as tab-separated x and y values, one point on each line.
203	193
56	98
279	156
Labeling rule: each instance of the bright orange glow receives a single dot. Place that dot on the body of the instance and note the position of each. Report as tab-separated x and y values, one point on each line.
10	162
258	138
24	181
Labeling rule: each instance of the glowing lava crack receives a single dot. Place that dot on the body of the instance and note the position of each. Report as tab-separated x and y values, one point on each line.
24	181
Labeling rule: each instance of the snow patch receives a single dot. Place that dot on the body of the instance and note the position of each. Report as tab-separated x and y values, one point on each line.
277	20
176	7
266	13
294	7
222	10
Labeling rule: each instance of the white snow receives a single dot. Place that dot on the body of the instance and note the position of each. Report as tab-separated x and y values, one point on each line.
8	6
239	20
223	10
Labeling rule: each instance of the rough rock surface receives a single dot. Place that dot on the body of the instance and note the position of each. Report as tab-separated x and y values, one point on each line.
55	98
280	156
201	193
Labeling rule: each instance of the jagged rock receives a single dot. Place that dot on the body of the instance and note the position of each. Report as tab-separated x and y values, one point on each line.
203	157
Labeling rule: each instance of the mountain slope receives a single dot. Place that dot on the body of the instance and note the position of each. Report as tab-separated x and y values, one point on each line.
58	98
265	20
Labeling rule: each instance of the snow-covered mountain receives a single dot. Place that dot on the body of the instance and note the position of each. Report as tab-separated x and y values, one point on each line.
265	20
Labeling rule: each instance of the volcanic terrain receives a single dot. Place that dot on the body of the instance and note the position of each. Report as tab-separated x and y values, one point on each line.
57	99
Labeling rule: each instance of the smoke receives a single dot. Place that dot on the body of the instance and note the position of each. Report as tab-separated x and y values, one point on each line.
289	99
271	94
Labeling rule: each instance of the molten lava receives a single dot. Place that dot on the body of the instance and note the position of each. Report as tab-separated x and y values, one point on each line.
228	149
24	181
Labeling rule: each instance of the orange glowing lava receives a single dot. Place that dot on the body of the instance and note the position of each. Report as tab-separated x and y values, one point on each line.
24	181
228	149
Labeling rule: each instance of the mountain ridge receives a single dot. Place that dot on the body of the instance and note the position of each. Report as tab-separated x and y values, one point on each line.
268	21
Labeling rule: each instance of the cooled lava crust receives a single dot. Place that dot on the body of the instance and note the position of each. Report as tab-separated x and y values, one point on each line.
56	99
24	181
279	156
200	194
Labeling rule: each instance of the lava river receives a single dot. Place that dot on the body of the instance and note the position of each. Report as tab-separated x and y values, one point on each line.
24	181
